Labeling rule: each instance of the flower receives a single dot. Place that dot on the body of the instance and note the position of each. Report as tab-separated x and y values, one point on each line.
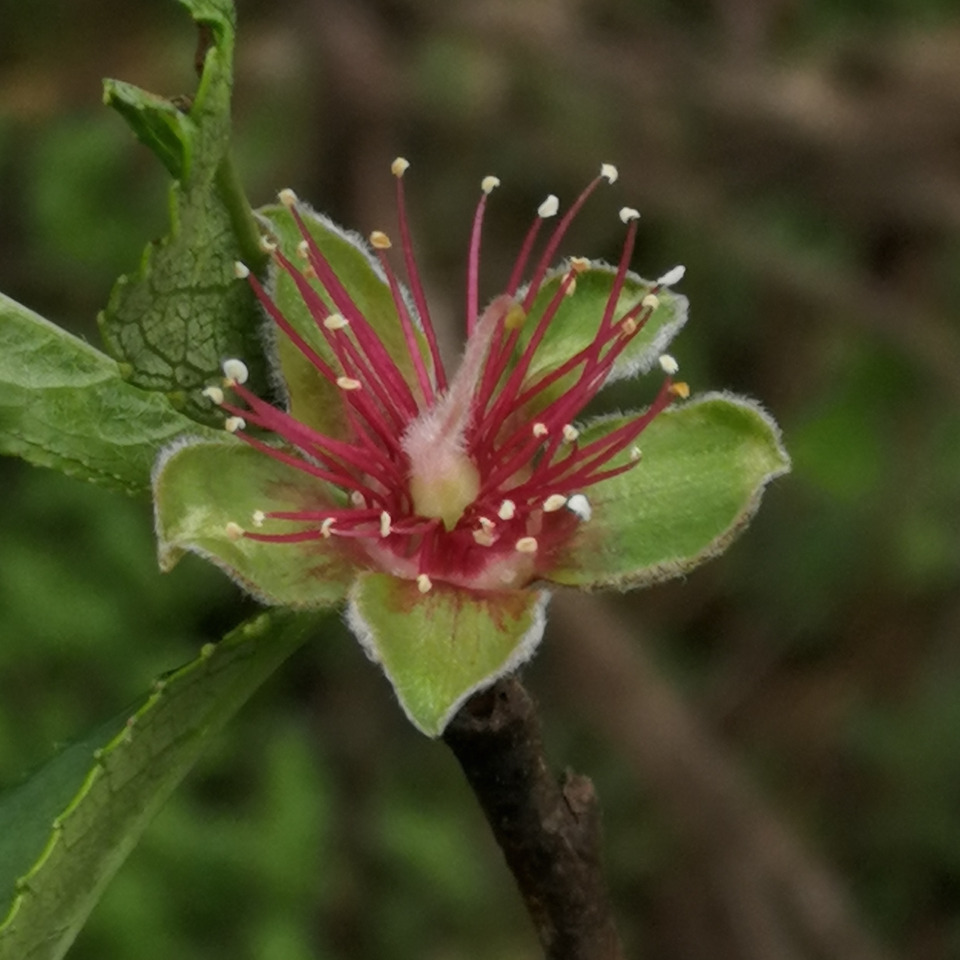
439	505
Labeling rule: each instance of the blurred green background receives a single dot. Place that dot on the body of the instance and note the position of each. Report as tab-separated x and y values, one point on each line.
776	738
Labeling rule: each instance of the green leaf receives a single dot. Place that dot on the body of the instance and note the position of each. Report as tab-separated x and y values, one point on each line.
575	324
63	404
314	400
200	488
703	470
438	648
174	321
66	831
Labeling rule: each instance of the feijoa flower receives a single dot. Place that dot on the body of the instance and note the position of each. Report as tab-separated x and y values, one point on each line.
441	505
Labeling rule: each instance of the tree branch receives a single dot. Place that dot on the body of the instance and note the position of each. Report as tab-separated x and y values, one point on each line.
549	830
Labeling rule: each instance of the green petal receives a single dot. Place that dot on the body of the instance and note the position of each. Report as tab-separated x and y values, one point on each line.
201	487
438	648
575	324
699	482
312	398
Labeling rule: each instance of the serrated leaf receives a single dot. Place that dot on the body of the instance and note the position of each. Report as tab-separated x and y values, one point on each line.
201	488
63	404
174	321
66	831
438	648
703	469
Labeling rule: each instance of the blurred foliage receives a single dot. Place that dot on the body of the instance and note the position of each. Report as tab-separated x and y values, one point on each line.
801	160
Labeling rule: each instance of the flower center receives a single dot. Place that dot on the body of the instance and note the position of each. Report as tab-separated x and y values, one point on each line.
447	488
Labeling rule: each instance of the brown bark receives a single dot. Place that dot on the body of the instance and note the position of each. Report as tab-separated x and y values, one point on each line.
548	829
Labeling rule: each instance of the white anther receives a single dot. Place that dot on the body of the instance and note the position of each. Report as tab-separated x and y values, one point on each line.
636	454
609	172
629	326
233	424
326	528
629	213
580	505
489	184
348	383
385	524
671	277
233	531
287	197
651	301
258	517
549	207
526	545
668	364
213	394
507	511
554	502
570	432
235	370
336	321
424	583
484	538
240	270
303	250
540	429
399	166
486	523
267	245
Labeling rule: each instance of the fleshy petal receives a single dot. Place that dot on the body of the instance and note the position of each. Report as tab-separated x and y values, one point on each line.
703	469
577	321
439	647
201	488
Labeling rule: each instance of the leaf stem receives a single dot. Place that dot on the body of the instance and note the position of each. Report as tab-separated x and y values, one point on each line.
245	227
548	830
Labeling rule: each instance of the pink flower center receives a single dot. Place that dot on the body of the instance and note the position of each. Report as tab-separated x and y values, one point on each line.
477	481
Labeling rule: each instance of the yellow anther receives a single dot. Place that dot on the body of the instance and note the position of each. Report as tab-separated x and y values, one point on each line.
579	264
549	207
399	166
554	502
336	321
489	184
609	172
287	197
380	241
680	389
348	383
424	583
233	531
326	528
233	424
651	301
526	545
629	326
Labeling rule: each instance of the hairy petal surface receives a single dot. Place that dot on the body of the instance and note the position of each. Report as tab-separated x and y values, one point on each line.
703	470
200	489
438	648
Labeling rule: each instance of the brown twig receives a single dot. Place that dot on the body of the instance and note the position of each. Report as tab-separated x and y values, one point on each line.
549	830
